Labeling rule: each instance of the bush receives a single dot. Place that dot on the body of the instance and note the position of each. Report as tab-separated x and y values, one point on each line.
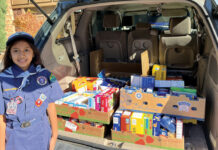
27	22
3	9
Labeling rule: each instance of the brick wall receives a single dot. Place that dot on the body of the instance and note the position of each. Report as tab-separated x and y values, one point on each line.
9	18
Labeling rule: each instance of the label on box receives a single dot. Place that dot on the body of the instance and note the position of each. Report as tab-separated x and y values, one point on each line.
115	120
126	113
70	125
133	121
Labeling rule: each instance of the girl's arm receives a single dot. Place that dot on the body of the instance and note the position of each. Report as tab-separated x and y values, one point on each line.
54	126
2	132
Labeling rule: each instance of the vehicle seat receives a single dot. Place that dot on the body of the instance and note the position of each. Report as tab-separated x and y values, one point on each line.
141	39
112	42
178	48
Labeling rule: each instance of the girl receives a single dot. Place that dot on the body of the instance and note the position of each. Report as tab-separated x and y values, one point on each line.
27	95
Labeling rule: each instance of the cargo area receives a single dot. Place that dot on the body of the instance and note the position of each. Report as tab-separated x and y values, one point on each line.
150	60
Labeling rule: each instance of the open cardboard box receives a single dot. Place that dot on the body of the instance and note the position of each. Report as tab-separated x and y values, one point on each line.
156	141
180	106
84	114
75	127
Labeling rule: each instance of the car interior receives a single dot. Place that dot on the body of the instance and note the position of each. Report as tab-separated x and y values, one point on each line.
111	37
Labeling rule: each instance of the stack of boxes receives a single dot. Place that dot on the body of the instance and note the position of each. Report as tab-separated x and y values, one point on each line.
88	108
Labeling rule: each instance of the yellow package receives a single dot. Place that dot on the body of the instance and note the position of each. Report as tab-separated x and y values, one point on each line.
137	123
159	72
80	84
92	83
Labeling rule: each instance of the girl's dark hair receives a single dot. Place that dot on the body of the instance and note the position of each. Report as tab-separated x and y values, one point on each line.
7	60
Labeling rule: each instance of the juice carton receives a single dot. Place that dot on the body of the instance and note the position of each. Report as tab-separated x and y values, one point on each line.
156	125
148	121
125	121
137	123
98	100
80	84
179	128
117	120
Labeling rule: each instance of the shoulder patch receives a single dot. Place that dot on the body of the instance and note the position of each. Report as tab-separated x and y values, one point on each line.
52	78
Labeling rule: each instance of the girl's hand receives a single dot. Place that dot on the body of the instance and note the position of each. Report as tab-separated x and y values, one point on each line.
52	143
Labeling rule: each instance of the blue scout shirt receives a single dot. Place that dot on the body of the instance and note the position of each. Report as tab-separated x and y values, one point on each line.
24	98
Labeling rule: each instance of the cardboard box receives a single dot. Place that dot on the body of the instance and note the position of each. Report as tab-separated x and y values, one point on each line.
84	114
155	141
95	62
145	63
137	99
85	129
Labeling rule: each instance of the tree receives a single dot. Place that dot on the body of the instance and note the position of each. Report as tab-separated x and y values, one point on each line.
3	9
27	22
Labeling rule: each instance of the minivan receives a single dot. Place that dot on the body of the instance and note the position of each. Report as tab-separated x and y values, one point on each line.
181	34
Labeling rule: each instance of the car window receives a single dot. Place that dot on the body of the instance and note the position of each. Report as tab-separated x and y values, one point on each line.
210	5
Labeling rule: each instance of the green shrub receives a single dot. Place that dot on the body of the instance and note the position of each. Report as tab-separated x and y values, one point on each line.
3	7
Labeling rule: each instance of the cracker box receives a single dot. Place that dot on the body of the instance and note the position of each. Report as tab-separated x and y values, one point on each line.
125	121
137	123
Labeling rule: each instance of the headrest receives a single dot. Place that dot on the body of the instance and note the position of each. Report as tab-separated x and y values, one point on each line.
143	26
111	21
127	21
180	25
174	12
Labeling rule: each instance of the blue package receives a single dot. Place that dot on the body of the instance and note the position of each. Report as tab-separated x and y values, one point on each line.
156	125
168	123
147	82
136	81
163	92
169	83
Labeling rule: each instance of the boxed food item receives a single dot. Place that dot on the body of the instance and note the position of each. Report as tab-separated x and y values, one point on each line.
159	72
137	123
117	120
148	124
125	121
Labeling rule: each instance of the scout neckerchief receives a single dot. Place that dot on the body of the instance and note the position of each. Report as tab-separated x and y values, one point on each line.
8	73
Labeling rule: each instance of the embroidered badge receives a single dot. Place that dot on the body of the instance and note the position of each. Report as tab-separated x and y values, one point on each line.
38	102
42	97
42	80
11	107
52	78
19	99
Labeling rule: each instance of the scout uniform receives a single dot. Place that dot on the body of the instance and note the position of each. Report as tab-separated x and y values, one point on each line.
24	98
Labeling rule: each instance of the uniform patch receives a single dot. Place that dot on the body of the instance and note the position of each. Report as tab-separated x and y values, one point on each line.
42	80
52	78
11	107
38	102
42	97
19	99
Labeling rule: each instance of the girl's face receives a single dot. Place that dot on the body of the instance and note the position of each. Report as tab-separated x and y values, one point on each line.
22	54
